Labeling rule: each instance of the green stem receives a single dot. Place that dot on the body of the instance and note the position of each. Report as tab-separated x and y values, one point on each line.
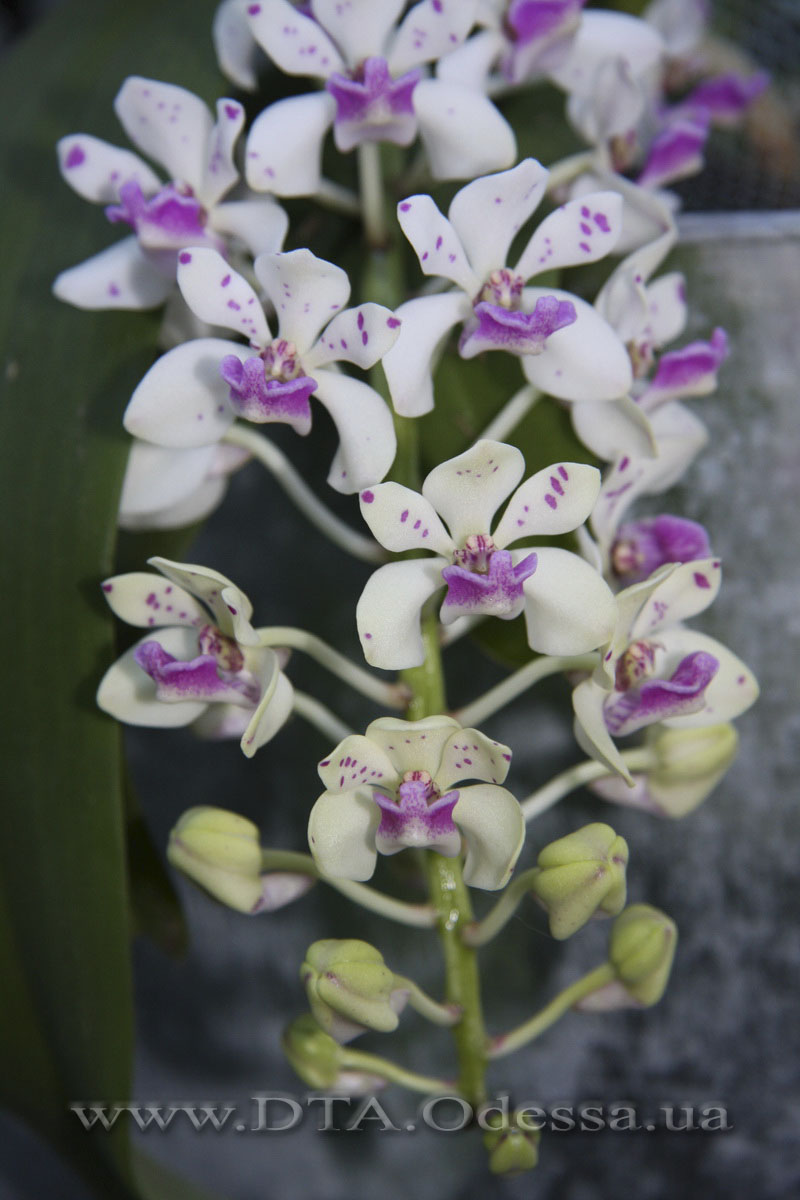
507	1043
357	1060
561	785
520	681
321	717
391	695
511	413
481	932
421	1002
373	204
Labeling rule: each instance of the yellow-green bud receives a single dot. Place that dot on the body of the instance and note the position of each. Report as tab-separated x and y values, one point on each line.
349	987
222	852
512	1147
312	1052
581	876
690	764
641	950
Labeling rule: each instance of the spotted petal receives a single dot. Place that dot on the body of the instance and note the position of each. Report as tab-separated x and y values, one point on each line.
363	420
358	27
615	428
553	501
141	598
467	490
356	761
341	834
429	30
169	124
119	277
583	361
489	212
221	296
129	694
359	335
402	519
95	169
590	729
470	754
666	307
436	243
602	36
157	478
296	43
569	608
493	827
688	590
410	361
220	173
463	133
183	400
216	591
236	49
389	609
581	231
414	745
731	692
273	709
284	146
306	292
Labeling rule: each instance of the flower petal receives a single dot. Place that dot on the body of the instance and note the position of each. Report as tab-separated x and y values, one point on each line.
429	30
196	505
260	224
584	361
221	296
389	609
590	729
489	212
220	173
731	692
614	428
436	243
359	335
357	761
463	133
569	608
409	363
119	277
470	64
236	49
363	420
581	231
129	694
690	371
141	598
553	501
183	400
273	709
95	169
468	490
667	308
602	36
296	43
688	590
305	290
401	519
470	754
170	124
157	478
493	826
341	834
413	745
216	591
360	27
284	146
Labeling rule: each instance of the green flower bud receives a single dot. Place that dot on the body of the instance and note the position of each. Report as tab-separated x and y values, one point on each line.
641	950
690	764
512	1145
349	988
313	1053
580	876
222	852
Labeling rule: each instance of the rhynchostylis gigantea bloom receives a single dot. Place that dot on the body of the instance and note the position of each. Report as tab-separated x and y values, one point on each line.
204	667
568	607
566	349
400	785
194	393
174	128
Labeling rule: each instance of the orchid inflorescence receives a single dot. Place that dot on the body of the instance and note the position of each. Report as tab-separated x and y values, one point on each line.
255	331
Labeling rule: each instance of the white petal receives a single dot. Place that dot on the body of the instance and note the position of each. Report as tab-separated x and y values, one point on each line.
689	590
183	400
196	505
157	477
614	105
359	335
731	692
429	30
306	291
470	754
463	133
129	694
169	124
553	501
260	224
667	308
413	745
220	295
401	519
470	63
409	364
614	428
623	299
119	277
493	826
468	490
284	146
216	591
389	609
489	212
602	36
358	27
356	761
435	242
296	43
581	231
583	361
629	602
273	710
236	49
220	173
363	420
590	727
569	608
341	834
142	598
95	169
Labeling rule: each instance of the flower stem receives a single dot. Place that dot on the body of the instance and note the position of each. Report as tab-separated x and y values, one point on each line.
439	1014
337	198
357	1060
520	681
507	1043
574	777
370	180
511	413
320	717
298	491
391	695
481	932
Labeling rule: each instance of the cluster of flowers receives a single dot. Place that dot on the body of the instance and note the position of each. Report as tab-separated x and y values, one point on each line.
255	332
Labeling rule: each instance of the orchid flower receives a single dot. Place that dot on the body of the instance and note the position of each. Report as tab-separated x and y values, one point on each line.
374	90
193	394
568	607
166	488
567	350
175	128
657	670
205	668
397	787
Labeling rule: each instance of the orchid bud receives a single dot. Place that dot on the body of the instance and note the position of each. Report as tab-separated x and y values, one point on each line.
581	876
349	988
512	1145
312	1052
222	852
641	950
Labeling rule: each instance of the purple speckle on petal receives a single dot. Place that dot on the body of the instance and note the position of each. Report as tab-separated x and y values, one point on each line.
585	247
404	516
231	609
368	636
392	322
439	241
224	282
551	501
587	229
254	9
701	580
601	221
405	207
108	587
368	497
364	337
75	157
185	257
232	111
563	472
360	321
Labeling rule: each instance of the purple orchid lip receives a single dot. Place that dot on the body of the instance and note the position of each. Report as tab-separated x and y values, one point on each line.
262	400
197	679
372	106
497	592
516	332
690	371
641	547
169	220
676	152
532	20
726	97
658	699
411	819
